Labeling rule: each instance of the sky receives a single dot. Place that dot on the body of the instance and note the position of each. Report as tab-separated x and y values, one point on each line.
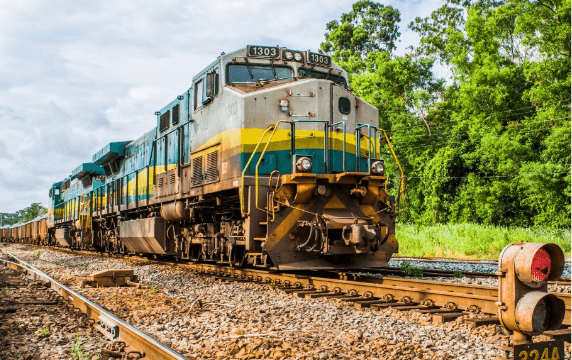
77	74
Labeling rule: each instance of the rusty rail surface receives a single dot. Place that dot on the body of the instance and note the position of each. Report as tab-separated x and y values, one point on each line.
451	273
107	323
438	259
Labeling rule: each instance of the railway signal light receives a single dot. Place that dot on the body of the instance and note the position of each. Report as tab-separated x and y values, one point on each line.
525	306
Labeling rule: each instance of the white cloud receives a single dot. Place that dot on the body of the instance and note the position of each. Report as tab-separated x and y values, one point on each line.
75	75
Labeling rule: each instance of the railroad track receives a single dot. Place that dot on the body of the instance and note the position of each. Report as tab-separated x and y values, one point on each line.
140	345
445	301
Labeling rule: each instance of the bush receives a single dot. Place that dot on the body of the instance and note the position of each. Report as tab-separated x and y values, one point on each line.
471	240
409	270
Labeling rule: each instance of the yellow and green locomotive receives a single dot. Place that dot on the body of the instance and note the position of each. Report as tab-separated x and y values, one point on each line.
267	160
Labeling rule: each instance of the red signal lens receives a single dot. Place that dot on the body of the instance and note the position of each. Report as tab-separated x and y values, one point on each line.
540	268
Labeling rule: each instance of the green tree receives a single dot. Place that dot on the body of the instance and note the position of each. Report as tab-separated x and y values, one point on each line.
368	29
32	212
505	153
9	218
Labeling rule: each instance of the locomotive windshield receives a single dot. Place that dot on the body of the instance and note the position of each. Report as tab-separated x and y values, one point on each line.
320	75
252	73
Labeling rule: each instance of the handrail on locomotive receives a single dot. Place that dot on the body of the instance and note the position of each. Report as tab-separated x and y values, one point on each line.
327	126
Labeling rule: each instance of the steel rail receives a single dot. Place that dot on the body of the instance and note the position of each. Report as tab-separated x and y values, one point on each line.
109	324
452	273
451	260
431	272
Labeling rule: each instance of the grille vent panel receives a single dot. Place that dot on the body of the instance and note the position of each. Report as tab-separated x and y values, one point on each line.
197	174
164	120
211	172
172	178
160	182
176	114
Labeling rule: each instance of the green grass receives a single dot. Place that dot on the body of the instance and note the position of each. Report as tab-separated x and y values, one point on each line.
471	240
409	270
79	352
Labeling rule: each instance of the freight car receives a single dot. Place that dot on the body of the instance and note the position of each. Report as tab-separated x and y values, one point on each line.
8	234
31	232
39	234
267	160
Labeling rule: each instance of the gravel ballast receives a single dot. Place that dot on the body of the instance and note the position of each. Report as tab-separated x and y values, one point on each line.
201	318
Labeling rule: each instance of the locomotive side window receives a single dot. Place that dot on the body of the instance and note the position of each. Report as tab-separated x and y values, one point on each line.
238	73
206	88
210	84
199	94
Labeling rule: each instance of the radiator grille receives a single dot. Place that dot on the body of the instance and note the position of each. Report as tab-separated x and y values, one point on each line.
160	182
176	114
172	178
164	121
211	173
197	174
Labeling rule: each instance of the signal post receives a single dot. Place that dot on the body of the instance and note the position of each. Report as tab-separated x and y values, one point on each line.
526	309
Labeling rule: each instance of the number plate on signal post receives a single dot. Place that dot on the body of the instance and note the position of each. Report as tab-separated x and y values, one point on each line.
546	350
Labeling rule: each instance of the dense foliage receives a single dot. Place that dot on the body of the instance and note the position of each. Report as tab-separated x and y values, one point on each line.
490	144
24	215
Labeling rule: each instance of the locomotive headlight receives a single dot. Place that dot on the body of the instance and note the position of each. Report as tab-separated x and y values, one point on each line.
288	55
297	56
377	167
304	164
